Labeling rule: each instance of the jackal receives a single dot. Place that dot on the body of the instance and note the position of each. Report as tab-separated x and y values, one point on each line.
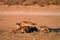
44	29
26	27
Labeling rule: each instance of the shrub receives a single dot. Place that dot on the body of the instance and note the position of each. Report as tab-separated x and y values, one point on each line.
25	3
31	2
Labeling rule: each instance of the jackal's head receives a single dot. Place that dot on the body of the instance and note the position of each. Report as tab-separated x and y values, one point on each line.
18	25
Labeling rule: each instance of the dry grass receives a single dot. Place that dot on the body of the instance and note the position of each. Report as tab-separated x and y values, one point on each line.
30	2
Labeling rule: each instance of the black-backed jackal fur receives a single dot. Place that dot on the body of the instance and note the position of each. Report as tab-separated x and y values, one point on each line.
44	28
25	26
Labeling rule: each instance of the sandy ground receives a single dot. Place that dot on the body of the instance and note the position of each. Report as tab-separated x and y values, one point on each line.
50	8
8	22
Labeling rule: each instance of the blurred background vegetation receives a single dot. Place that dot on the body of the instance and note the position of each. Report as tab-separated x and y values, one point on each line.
29	2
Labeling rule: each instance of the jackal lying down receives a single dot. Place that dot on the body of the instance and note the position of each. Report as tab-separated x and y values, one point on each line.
44	28
27	27
48	29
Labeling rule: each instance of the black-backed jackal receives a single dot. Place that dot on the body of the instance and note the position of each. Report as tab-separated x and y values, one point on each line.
25	26
44	28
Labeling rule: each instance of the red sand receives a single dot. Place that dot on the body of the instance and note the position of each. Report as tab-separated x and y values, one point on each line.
8	22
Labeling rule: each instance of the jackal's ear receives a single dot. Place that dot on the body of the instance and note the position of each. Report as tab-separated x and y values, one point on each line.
34	23
17	24
41	26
